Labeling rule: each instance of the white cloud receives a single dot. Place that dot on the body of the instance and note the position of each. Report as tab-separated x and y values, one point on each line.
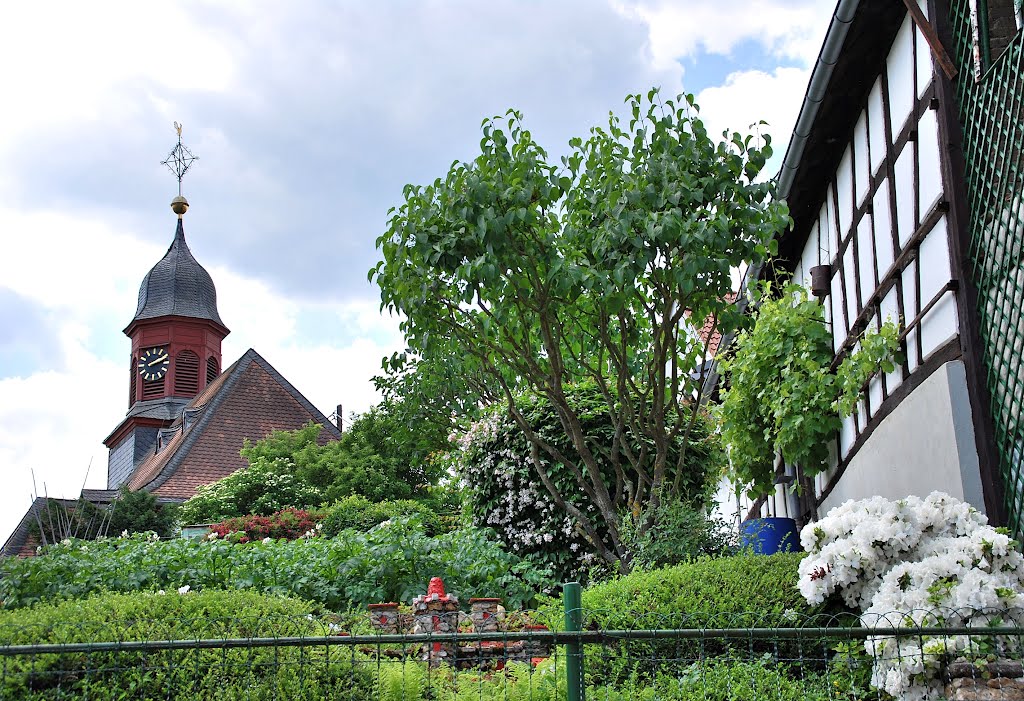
789	28
748	97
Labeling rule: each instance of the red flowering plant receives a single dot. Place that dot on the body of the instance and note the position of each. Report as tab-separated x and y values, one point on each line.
289	523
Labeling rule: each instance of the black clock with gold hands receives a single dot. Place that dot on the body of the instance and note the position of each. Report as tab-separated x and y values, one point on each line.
153	363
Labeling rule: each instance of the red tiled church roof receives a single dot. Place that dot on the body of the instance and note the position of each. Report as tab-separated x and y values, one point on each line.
249	400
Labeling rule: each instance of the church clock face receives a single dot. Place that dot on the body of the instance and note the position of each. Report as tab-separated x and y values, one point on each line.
153	363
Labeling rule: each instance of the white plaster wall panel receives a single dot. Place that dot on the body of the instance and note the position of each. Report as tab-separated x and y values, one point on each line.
923	61
844	193
933	257
862	172
866	257
876	125
851	283
883	228
835	300
875	392
939	324
910	311
903	174
929	165
847	434
808	259
828	223
925	444
889	309
900	69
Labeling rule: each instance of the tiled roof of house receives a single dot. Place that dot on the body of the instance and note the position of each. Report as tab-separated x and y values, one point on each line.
249	400
24	540
709	332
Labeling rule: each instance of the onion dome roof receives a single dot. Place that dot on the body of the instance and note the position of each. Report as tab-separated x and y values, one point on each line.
178	285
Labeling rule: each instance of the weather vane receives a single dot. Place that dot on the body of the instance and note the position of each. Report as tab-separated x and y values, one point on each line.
180	159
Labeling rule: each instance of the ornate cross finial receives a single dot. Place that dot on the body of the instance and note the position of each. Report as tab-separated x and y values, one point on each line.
180	158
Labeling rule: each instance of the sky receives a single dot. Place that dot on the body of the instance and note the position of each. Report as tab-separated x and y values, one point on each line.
308	118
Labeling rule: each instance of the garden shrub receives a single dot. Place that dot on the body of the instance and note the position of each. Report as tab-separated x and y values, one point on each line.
358	512
288	524
748	680
391	562
680	533
493	459
139	512
742	591
267	485
256	673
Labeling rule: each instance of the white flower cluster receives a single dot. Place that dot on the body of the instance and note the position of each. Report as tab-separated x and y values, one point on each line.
914	562
493	462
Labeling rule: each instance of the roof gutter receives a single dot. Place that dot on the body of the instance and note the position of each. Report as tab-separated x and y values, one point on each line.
820	78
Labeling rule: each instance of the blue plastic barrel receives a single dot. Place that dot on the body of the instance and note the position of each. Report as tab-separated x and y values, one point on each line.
767	536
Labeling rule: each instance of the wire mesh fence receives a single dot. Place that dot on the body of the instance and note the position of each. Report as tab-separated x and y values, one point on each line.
738	656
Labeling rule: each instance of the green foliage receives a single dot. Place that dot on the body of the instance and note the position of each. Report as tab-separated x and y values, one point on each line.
391	562
257	673
266	486
359	513
782	396
384	455
287	523
138	512
743	590
515	273
732	680
680	533
493	460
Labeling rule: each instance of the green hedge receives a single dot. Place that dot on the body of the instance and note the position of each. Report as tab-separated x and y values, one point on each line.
255	673
738	591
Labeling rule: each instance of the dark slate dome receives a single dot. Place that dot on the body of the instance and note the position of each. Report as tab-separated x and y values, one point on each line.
178	286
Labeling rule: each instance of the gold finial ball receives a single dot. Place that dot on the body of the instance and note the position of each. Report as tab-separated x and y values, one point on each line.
179	205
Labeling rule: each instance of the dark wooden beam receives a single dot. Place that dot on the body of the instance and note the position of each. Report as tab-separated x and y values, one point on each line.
930	35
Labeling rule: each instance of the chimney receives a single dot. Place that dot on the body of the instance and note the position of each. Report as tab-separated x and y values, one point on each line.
337	419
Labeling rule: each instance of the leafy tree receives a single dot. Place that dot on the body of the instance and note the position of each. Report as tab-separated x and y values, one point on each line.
139	512
520	273
493	460
385	454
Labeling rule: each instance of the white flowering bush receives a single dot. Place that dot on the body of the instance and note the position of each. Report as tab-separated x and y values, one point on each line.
266	486
492	458
915	562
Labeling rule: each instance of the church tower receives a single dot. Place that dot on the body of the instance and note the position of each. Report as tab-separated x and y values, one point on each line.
176	336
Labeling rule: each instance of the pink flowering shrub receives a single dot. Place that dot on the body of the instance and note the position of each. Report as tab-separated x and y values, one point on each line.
289	524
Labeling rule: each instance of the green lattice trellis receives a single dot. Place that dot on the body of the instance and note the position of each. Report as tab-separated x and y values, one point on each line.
992	114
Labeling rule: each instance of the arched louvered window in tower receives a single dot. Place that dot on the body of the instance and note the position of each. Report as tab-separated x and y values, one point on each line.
133	372
186	373
211	370
152	389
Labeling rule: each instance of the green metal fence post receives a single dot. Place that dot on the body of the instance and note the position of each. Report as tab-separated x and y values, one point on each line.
573	605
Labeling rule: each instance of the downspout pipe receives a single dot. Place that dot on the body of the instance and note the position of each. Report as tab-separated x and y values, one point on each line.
821	76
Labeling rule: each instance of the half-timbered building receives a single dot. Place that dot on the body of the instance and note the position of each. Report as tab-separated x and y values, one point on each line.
904	178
